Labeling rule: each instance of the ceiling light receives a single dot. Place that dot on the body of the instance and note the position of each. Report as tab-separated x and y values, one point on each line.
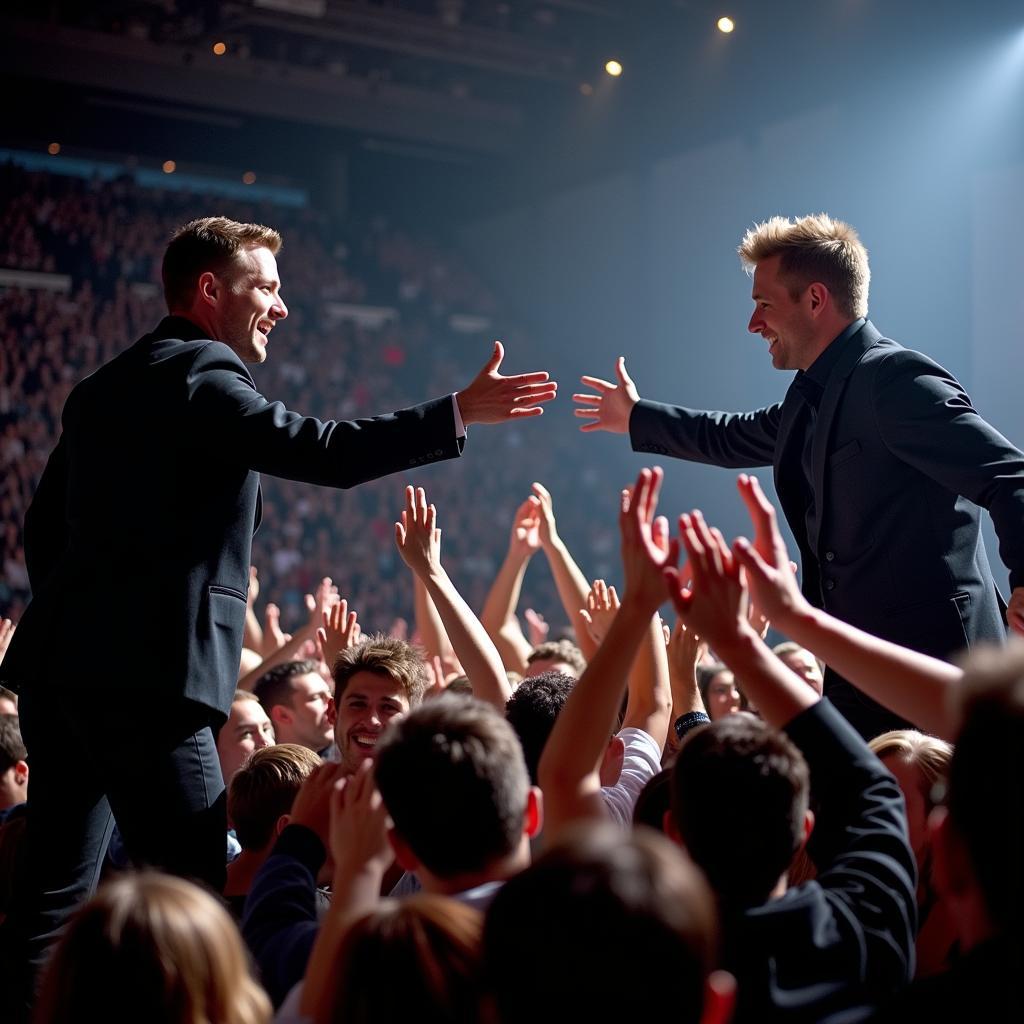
53	148
614	68
726	25
220	49
249	177
169	167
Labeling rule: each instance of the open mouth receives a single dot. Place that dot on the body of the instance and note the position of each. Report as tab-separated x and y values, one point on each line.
367	744
265	327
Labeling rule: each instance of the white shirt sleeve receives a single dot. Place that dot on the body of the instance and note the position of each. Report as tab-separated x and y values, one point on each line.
460	427
641	763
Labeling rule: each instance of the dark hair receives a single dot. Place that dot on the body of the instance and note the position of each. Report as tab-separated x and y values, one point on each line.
532	710
602	906
386	656
739	797
985	794
559	650
12	746
275	685
264	788
654	801
209	243
452	776
416	959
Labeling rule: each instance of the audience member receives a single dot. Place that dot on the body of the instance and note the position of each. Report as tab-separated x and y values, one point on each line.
247	729
13	766
297	701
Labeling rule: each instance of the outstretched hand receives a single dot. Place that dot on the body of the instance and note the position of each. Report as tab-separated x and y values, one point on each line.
339	632
609	406
770	574
647	549
359	826
525	536
417	536
602	604
492	398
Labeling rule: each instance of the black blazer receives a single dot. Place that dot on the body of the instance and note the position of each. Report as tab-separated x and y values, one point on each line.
901	461
138	538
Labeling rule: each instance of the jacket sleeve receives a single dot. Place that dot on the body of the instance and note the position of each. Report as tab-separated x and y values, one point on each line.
860	847
730	440
46	519
280	921
926	419
226	410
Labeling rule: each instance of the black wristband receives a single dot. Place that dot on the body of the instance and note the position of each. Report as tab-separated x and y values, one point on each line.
684	723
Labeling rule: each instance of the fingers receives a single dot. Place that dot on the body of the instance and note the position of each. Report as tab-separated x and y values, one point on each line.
542	493
492	364
598	383
612	600
620	372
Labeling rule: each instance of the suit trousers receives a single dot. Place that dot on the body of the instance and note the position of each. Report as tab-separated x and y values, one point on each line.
95	755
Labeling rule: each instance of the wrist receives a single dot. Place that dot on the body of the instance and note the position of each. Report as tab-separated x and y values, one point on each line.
465	404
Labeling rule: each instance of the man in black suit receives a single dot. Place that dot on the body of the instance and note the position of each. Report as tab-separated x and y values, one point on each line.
138	547
879	457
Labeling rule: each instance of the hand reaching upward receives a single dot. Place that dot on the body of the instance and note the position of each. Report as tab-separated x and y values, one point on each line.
611	405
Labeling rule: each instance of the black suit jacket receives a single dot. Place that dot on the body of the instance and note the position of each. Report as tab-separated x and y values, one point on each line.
138	538
900	462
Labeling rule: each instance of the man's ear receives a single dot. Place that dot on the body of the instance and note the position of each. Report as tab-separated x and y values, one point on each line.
332	711
281	713
281	824
817	296
808	826
209	288
21	772
719	998
671	829
406	859
533	819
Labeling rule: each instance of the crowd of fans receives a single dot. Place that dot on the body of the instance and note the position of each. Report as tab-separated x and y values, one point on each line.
438	812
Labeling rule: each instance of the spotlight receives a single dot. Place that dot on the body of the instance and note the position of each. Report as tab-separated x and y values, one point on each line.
586	88
614	68
249	177
726	25
220	49
169	167
53	148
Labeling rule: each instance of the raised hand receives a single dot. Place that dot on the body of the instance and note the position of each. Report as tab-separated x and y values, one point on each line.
609	405
546	510
715	604
359	826
538	627
770	574
399	629
602	604
438	680
647	550
273	636
312	804
492	398
525	538
318	604
7	627
339	632
254	587
417	536
685	651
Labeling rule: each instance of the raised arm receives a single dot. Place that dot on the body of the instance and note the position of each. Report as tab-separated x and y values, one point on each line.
253	637
499	614
430	629
571	583
913	685
569	765
492	398
419	543
685	649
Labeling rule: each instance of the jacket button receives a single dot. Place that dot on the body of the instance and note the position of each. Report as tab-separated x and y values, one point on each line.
830	584
830	556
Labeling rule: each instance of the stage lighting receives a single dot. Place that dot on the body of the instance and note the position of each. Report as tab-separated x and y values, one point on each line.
220	49
614	68
169	167
726	25
53	148
249	177
586	88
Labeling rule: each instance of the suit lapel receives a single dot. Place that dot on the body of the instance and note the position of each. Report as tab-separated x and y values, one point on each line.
853	352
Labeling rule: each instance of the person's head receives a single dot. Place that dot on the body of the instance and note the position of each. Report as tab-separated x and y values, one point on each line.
532	710
719	691
297	701
416	959
616	925
13	763
8	701
556	656
802	662
811	279
921	766
740	794
223	276
375	682
154	948
453	779
654	801
247	729
978	837
262	791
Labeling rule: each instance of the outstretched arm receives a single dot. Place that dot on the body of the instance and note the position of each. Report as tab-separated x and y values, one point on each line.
913	685
499	614
607	406
492	398
419	543
569	765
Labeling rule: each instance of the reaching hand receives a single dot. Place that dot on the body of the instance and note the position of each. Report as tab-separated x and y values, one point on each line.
254	587
312	804
548	527
611	406
602	604
273	638
770	574
319	604
339	632
438	681
418	539
647	550
715	604
538	629
685	651
1015	610
525	536
492	398
399	629
7	628
359	826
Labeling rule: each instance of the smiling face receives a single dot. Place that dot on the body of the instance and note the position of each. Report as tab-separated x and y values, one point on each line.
247	729
369	702
723	696
784	322
248	304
